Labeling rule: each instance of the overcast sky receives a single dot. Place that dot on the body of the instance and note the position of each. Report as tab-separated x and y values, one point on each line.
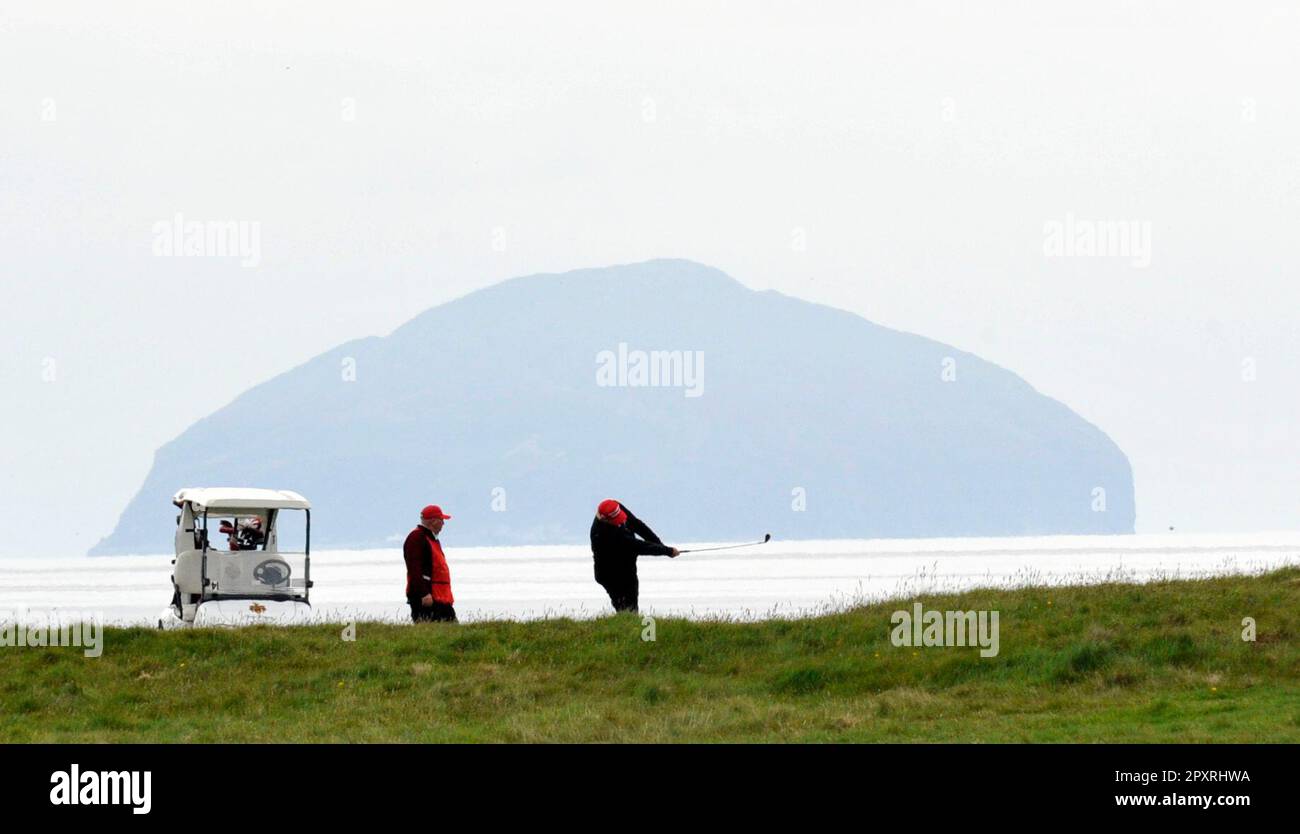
904	161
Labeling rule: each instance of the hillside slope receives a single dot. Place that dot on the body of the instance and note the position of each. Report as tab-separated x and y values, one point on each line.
792	417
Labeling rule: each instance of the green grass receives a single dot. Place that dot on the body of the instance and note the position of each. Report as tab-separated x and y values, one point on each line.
1145	663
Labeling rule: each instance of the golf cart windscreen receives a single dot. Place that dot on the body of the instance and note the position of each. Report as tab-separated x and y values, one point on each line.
257	553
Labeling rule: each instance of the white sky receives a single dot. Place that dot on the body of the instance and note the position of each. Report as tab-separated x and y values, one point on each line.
921	147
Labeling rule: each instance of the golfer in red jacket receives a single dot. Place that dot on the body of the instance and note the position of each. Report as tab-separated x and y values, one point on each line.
428	581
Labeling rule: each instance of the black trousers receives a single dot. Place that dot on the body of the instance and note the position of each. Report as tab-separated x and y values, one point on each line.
439	612
621	584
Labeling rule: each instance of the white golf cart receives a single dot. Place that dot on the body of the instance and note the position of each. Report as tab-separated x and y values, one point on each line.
229	568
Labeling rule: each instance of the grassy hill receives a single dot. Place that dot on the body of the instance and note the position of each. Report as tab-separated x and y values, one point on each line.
1158	662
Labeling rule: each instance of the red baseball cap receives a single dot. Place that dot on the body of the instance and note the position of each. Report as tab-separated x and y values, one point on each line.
433	511
610	511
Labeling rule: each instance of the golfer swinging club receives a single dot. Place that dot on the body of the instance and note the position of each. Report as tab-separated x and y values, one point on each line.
615	546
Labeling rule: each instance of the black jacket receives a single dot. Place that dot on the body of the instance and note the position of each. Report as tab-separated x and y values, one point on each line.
619	546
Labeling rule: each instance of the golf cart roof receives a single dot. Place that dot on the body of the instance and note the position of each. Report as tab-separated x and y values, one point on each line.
240	498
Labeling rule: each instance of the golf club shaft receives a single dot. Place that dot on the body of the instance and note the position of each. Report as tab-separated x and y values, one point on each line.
764	540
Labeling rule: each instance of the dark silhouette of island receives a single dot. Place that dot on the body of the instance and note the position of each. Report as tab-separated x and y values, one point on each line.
714	411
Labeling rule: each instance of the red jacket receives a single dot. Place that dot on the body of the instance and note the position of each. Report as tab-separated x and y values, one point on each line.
426	567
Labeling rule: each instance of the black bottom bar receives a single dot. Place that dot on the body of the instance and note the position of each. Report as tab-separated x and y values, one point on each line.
264	782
